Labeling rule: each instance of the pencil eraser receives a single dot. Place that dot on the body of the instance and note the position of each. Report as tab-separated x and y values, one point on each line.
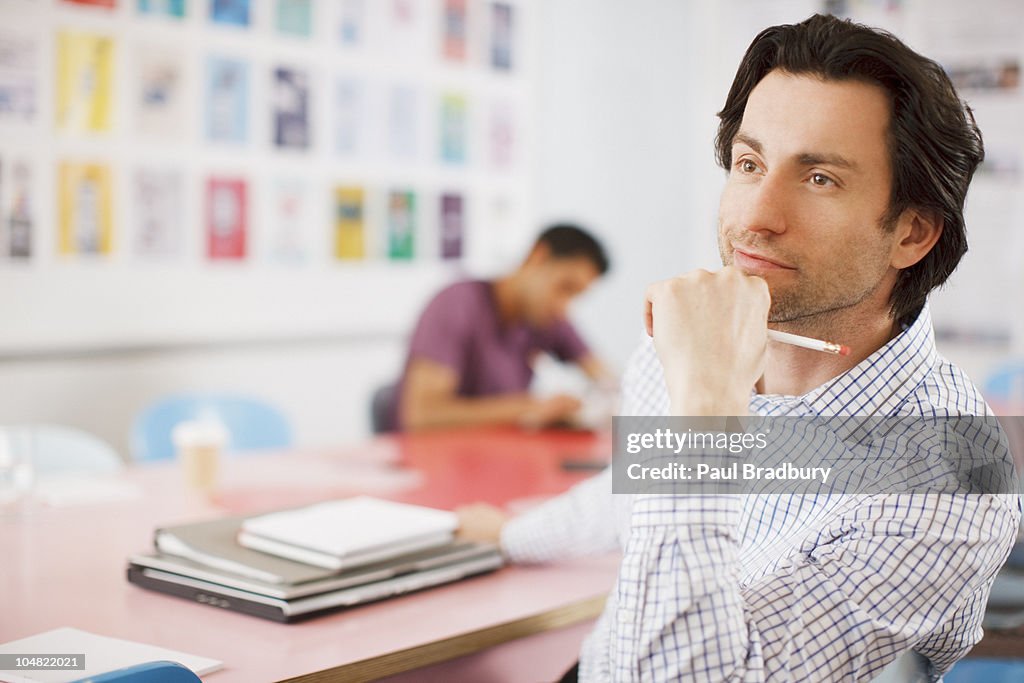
844	350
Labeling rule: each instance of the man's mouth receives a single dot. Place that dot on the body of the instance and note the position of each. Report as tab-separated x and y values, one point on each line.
746	259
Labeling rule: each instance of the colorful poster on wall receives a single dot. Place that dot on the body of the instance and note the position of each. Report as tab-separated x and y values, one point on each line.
452	225
501	36
170	8
291	108
351	22
403	12
227	100
405	33
108	4
231	12
290	218
348	116
157	196
454	30
402	122
501	135
401	224
85	209
453	129
294	17
349	224
85	82
226	218
16	208
160	109
985	75
18	58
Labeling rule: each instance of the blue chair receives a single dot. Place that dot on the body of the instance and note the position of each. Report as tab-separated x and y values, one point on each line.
150	672
251	424
58	450
987	670
1007	381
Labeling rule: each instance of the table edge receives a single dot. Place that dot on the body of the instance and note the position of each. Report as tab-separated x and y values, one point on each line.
400	661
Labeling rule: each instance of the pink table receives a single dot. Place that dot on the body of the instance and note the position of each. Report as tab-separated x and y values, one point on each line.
65	567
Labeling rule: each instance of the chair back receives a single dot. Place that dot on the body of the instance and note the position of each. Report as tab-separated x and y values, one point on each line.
251	423
382	404
909	667
150	672
987	670
1004	388
59	450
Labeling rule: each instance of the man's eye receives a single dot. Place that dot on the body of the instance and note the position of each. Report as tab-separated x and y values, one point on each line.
821	180
747	166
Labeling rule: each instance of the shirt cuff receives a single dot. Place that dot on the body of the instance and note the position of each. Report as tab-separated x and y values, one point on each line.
697	510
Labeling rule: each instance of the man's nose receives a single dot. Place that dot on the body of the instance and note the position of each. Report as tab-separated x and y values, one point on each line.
765	207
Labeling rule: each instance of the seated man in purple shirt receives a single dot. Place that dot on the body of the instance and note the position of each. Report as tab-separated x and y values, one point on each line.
471	358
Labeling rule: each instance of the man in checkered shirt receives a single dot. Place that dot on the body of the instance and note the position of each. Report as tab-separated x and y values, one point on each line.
848	158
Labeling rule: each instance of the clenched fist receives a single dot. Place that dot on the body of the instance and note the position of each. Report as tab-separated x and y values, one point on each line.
710	331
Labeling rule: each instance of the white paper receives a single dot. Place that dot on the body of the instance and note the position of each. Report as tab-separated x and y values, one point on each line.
102	654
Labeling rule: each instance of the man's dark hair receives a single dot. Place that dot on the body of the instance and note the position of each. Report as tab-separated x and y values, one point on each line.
934	143
565	240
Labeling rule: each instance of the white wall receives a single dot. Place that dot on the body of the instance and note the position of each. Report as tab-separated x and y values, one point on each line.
625	100
612	149
625	127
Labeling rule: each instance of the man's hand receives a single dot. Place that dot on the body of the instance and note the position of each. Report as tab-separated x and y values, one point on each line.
545	412
710	331
480	522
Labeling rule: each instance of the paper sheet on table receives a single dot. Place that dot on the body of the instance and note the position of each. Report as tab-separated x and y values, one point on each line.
102	654
72	490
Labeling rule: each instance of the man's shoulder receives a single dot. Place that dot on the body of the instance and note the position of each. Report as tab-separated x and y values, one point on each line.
464	290
946	391
463	297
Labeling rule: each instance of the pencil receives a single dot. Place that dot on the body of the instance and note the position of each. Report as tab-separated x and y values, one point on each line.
809	343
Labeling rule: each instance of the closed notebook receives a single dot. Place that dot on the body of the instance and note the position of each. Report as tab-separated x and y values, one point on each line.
348	533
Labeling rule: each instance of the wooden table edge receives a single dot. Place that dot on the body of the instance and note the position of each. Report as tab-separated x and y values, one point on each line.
373	668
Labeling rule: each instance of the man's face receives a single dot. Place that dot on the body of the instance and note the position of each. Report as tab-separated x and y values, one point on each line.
551	284
807	193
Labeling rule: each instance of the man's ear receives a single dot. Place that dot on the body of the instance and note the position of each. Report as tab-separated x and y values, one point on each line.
917	231
540	253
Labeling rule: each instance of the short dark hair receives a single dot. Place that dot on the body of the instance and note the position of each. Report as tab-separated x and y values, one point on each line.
565	240
934	143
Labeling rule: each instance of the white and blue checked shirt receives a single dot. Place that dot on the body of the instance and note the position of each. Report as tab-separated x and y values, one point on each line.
785	586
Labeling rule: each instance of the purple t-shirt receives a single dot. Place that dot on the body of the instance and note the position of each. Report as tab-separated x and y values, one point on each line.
460	329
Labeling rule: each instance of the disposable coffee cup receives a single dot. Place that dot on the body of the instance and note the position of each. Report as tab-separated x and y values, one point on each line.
199	444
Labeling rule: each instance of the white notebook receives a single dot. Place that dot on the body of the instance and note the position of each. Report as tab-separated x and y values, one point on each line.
102	654
347	533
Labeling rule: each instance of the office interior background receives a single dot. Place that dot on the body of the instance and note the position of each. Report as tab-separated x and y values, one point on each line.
258	196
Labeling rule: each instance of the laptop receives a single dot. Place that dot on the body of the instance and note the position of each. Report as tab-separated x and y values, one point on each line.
291	602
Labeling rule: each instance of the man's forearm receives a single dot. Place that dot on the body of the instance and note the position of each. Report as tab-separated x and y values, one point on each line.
467	412
678	600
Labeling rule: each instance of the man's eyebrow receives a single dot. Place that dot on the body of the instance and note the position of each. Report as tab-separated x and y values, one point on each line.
751	142
804	158
816	159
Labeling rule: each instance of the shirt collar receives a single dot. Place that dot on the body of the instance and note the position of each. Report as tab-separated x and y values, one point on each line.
875	386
